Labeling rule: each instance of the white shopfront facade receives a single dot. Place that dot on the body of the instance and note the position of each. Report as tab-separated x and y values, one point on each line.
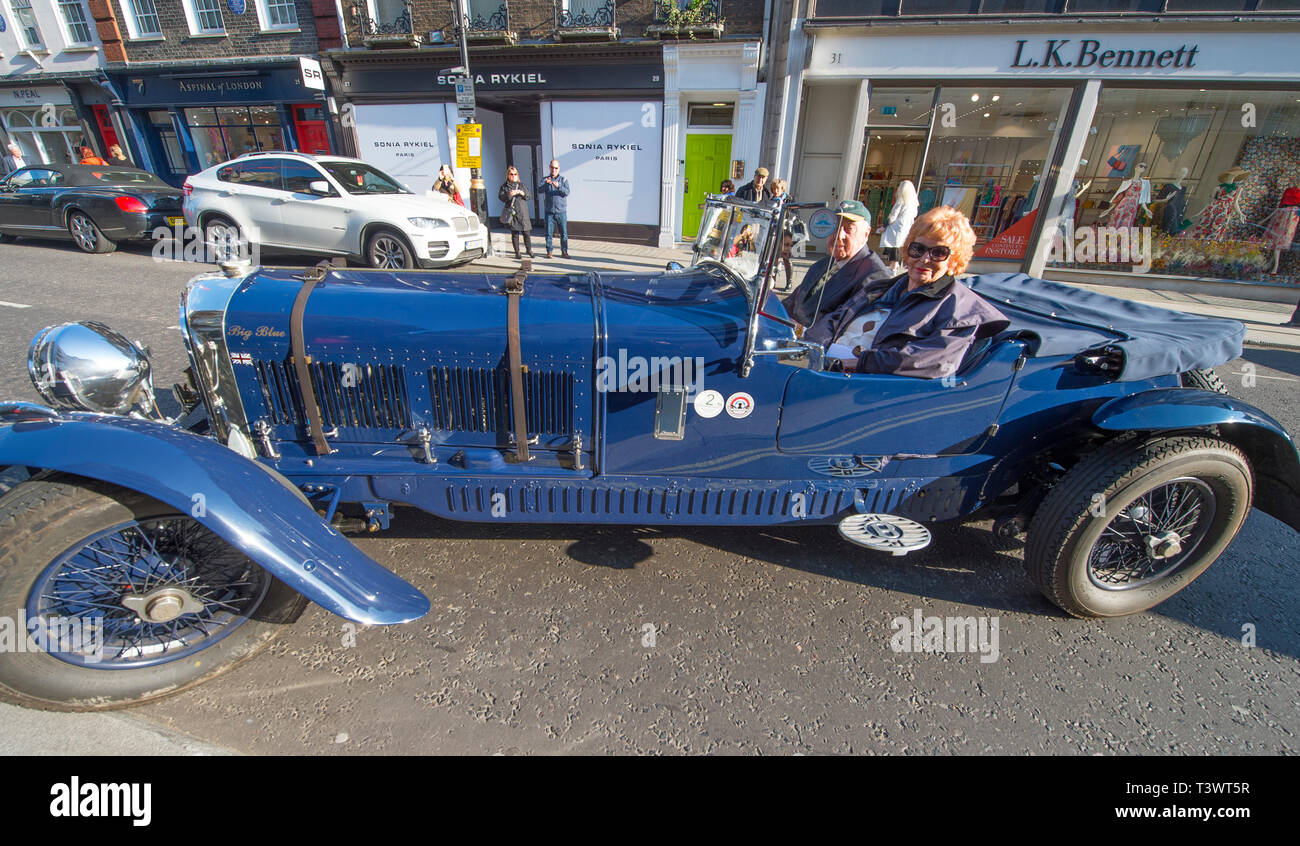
1036	114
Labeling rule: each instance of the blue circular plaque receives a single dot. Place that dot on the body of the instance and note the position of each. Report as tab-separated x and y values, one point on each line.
822	223
2	23
237	6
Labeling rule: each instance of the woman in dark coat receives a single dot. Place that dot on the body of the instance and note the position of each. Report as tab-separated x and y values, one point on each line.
515	213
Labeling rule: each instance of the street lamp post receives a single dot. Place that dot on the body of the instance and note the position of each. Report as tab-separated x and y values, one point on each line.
477	190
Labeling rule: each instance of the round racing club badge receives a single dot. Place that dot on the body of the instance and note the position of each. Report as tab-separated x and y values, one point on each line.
708	403
740	404
822	223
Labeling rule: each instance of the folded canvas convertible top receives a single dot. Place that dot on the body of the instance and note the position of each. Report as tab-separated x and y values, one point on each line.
1069	320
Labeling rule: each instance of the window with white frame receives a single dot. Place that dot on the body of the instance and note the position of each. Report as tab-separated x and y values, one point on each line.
142	19
31	33
277	14
75	22
205	17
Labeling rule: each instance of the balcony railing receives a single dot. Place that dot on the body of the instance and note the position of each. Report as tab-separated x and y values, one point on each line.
585	19
390	24
687	19
486	23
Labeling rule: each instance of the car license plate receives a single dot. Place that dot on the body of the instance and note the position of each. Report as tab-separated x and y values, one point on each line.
175	221
474	244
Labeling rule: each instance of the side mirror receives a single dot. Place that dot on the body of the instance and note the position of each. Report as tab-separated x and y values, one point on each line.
673	265
5	188
799	231
320	188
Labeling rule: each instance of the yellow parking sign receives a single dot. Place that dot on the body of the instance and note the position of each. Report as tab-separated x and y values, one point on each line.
469	145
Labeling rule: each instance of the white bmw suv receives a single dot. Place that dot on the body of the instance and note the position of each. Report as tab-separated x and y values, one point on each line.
331	205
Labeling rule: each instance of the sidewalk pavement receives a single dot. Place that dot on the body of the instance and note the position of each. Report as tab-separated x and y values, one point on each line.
1265	321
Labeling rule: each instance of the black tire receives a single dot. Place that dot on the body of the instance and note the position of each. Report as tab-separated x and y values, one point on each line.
1093	552
1205	380
222	239
49	522
87	235
387	250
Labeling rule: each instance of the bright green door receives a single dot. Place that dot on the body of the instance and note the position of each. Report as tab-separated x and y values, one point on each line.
708	162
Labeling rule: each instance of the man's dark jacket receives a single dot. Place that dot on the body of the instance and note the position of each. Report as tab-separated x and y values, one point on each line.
927	332
864	268
749	192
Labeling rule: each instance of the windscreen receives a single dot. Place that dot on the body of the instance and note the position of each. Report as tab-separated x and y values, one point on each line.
735	236
358	178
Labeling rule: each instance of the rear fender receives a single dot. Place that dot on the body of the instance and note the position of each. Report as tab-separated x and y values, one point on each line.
1271	451
250	506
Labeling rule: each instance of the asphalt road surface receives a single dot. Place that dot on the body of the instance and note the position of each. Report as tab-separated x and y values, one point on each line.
574	639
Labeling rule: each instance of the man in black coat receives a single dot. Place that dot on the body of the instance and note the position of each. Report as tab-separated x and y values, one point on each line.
850	266
756	191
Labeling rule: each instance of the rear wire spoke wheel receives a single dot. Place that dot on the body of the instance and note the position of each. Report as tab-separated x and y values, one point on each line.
388	251
87	236
127	600
1137	521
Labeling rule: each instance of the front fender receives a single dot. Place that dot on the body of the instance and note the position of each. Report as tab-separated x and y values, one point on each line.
1271	451
247	504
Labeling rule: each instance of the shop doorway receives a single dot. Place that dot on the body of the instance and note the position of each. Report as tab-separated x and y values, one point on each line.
524	158
708	162
890	155
309	126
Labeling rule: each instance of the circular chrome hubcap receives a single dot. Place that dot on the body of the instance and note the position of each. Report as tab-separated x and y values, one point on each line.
83	232
1154	536
388	253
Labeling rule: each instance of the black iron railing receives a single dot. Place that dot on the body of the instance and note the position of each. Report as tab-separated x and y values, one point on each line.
482	18
571	15
390	22
688	13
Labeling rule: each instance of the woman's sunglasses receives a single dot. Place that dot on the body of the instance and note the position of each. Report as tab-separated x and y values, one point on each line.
918	250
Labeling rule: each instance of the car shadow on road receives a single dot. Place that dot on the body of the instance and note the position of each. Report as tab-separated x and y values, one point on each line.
990	577
1286	361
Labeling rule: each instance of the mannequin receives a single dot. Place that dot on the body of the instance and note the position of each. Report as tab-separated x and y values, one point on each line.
1173	197
1214	222
1078	189
1279	231
1131	194
899	222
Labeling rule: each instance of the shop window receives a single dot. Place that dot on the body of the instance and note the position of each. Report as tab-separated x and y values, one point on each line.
854	8
204	17
277	14
227	132
171	147
986	152
27	24
1216	5
710	114
142	19
939	7
1113	6
75	22
1188	182
42	142
1024	7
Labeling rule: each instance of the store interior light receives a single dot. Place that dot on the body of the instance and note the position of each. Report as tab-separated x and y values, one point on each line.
986	114
975	98
997	97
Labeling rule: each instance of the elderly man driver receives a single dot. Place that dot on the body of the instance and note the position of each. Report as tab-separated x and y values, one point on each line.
850	267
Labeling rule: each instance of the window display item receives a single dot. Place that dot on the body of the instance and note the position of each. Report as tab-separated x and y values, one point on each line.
1215	221
1131	195
1279	231
1173	199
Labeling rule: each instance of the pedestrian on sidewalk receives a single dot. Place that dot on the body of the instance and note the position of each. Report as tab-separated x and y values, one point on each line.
446	185
12	161
515	213
88	157
555	207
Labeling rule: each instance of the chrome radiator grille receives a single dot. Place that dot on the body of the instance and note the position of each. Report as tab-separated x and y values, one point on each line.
477	399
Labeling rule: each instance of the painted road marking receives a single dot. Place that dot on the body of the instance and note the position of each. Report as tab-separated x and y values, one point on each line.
13	305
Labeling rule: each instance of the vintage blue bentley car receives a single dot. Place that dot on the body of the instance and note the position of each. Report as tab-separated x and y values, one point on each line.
147	554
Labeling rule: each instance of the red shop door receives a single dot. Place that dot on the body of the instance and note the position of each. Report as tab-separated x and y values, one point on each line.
309	122
105	123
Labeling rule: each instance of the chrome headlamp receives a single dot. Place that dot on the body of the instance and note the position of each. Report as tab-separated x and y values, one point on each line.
89	367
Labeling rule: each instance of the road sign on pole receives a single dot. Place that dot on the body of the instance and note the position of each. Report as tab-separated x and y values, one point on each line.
465	97
469	145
